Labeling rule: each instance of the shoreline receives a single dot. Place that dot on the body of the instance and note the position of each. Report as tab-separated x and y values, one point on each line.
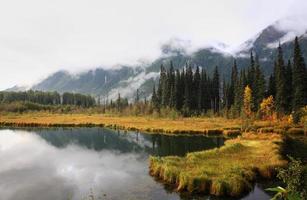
204	126
231	170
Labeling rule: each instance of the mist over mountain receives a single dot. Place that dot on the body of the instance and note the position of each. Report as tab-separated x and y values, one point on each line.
107	83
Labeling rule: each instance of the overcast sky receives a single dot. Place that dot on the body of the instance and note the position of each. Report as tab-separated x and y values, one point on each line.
38	37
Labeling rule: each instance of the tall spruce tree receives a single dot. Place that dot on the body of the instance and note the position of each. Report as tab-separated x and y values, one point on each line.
298	78
195	89
280	78
288	87
216	90
171	86
259	90
205	94
238	92
154	98
161	85
232	86
271	91
178	90
188	89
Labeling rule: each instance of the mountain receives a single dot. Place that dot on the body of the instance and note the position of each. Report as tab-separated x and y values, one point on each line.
17	88
107	83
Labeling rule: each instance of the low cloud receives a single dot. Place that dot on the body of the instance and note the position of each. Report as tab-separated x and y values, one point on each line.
39	37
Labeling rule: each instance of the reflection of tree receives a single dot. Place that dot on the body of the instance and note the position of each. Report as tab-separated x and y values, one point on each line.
91	138
164	145
100	139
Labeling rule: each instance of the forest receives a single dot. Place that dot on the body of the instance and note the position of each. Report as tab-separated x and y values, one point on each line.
47	98
193	92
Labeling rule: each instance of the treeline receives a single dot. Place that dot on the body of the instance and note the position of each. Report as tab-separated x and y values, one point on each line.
192	91
186	90
47	98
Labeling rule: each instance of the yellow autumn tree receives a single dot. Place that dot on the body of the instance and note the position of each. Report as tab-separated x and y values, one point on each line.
267	107
247	102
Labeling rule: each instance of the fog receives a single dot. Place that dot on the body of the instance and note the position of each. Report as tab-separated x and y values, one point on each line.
39	37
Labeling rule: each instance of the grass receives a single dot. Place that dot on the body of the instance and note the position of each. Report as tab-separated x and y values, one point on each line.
210	126
228	171
194	125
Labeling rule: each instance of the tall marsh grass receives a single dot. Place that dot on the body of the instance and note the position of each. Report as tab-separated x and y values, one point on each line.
227	171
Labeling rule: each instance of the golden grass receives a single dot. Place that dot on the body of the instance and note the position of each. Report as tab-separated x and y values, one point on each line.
194	125
210	126
228	171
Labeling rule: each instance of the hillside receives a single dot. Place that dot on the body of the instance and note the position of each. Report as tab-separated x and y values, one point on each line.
107	83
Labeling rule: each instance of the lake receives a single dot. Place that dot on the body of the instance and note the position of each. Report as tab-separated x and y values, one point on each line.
92	163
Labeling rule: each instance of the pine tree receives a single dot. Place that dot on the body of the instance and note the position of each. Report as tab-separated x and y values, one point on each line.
259	92
239	93
280	83
298	78
154	99
195	89
118	103
205	94
288	87
271	87
226	95
137	96
188	89
161	85
178	90
171	87
216	90
251	72
232	86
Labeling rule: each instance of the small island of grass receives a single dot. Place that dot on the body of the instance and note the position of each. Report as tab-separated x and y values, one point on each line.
227	171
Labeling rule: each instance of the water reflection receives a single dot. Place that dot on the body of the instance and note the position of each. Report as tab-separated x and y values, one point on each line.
69	163
155	144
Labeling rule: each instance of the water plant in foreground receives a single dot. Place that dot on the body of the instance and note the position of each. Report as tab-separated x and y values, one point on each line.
227	171
295	178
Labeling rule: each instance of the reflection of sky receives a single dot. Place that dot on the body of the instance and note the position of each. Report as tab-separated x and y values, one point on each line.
33	169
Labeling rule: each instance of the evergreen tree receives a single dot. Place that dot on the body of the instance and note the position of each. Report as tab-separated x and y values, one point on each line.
271	87
280	83
178	91
238	93
118	103
161	85
216	90
288	87
233	84
188	89
205	94
154	98
137	96
259	92
298	78
196	101
171	87
251	72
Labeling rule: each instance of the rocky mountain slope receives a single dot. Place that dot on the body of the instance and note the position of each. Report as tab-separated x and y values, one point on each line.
127	79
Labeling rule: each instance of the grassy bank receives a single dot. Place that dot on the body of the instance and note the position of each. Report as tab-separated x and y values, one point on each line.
193	125
146	124
228	171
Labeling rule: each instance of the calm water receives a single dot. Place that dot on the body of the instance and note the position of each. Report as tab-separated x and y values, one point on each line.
64	164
